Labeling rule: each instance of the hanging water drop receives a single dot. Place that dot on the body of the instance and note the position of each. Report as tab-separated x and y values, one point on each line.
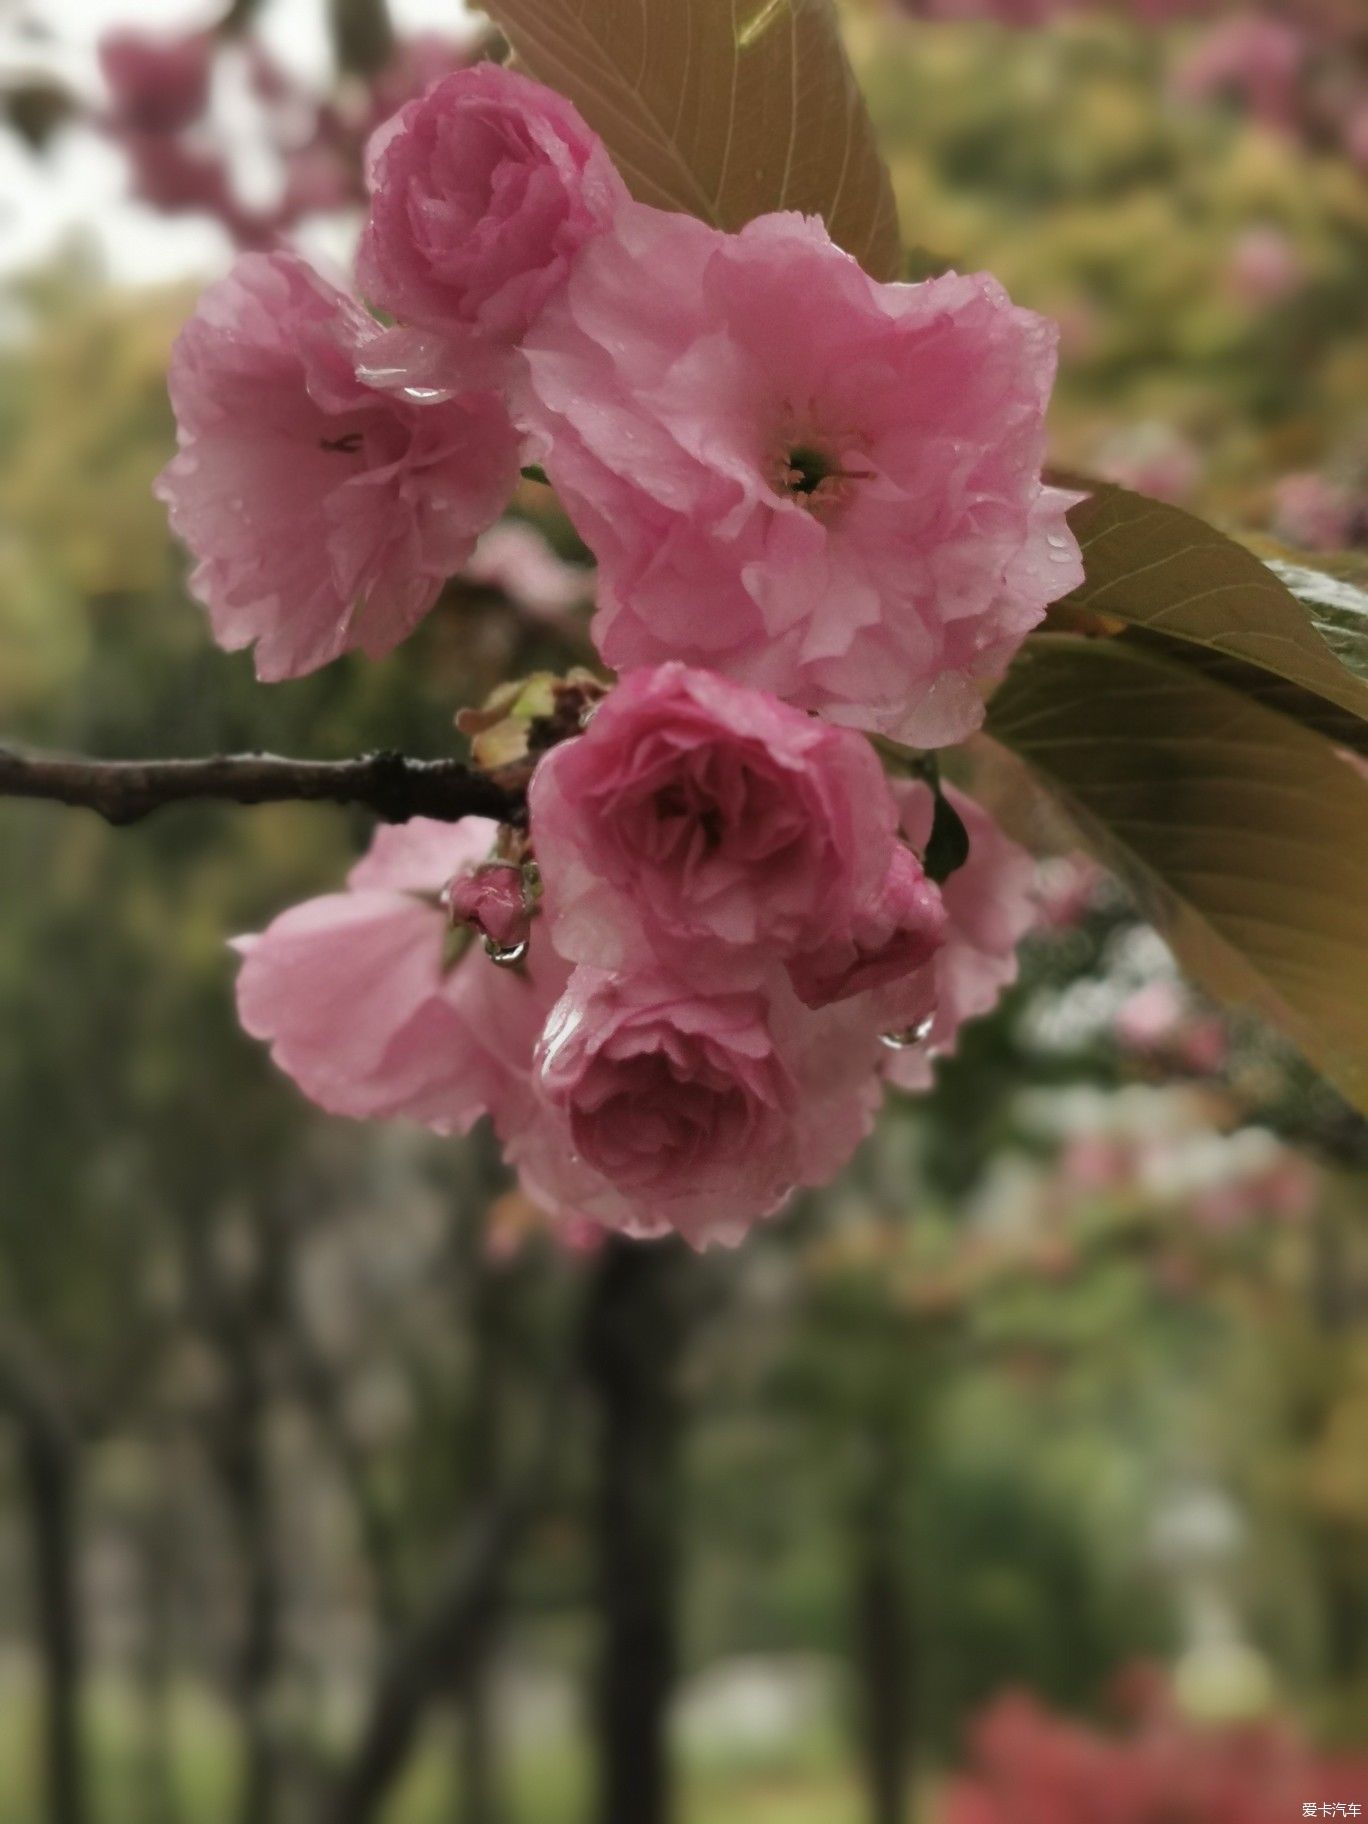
505	955
905	1037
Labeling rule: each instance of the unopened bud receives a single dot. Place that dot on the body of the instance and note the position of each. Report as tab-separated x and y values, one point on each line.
494	900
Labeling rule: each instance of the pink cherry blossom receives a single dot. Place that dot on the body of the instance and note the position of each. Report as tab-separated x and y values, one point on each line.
701	822
819	485
483	193
990	905
665	1108
358	997
325	514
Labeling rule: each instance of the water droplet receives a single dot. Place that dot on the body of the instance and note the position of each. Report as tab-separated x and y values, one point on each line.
423	394
908	1036
505	955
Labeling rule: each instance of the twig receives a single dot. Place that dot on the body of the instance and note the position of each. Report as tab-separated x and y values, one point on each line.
391	785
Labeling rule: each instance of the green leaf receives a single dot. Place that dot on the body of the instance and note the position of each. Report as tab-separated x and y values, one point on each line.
725	109
1243	836
1337	602
947	847
1194	595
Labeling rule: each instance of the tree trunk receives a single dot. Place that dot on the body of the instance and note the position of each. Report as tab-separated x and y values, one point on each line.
634	1340
431	1656
160	1800
479	1786
48	1455
883	1654
883	1644
245	1477
484	1469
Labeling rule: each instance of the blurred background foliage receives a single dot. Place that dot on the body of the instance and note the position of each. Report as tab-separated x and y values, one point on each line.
1068	1372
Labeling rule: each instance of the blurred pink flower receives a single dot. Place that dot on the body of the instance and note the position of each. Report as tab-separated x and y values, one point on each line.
1092	1163
1031	1767
1264	266
325	161
325	515
1255	58
1160	1022
1318	514
819	485
1152	458
157	84
1067	887
1151	1016
514	557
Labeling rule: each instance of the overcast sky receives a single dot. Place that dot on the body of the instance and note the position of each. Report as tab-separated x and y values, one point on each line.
78	182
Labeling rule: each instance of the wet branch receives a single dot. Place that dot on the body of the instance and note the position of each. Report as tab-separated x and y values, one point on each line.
391	785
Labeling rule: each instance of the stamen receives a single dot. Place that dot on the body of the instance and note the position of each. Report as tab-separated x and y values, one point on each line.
812	475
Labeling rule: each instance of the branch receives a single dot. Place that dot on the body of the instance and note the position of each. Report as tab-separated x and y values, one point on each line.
391	785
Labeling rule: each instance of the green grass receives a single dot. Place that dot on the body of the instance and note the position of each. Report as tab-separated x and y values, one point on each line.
549	1784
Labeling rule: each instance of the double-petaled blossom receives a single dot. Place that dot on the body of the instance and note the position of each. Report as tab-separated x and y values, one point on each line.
325	514
819	485
484	192
705	825
669	1106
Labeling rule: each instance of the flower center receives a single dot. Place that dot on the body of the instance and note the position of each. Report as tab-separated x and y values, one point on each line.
812	476
808	468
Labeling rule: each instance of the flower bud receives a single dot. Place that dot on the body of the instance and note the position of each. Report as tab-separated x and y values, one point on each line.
494	899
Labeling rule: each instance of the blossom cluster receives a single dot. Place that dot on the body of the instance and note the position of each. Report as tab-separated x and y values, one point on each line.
816	507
